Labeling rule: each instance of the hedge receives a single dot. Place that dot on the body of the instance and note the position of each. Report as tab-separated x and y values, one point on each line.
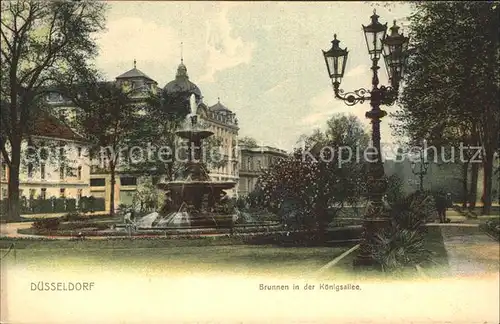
56	205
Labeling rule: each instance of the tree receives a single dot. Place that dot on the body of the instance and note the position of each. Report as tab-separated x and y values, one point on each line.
451	89
146	196
108	117
248	142
39	39
163	115
320	178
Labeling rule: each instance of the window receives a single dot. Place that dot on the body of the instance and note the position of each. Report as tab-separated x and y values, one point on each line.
42	171
4	193
32	194
43	193
61	172
259	166
128	181
4	171
30	170
62	192
79	152
79	173
101	182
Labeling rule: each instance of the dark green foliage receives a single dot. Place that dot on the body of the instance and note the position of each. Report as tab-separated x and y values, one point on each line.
401	249
452	86
73	217
403	245
312	185
394	189
46	223
226	207
47	40
56	205
414	210
71	205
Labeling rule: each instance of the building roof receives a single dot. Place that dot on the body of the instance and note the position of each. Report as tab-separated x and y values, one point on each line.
263	150
219	107
182	83
134	73
49	126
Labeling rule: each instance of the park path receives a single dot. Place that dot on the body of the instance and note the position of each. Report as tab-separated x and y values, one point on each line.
470	251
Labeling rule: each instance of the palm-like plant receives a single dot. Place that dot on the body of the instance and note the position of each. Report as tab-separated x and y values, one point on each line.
402	246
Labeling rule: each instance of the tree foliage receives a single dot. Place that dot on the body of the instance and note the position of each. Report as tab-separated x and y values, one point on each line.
248	141
452	86
39	40
106	115
313	180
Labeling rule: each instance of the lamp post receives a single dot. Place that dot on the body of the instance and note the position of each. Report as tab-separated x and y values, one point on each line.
393	49
424	166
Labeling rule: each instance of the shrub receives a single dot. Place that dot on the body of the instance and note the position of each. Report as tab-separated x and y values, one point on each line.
73	217
413	210
46	223
402	246
71	205
59	205
394	189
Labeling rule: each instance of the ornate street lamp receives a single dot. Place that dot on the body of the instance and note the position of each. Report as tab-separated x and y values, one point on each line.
395	55
393	48
423	166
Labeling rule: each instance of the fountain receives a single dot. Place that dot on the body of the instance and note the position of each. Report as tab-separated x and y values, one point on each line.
194	200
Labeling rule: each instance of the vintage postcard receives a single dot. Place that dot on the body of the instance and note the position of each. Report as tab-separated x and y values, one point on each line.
249	162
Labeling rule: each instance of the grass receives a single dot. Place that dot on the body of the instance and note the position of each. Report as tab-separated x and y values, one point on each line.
198	255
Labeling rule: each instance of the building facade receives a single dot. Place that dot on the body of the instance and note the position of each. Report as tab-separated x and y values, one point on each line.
253	161
60	167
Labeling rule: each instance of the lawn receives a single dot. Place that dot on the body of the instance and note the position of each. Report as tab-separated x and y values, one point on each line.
180	255
434	243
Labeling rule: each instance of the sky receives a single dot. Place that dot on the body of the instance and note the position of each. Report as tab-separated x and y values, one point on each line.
262	59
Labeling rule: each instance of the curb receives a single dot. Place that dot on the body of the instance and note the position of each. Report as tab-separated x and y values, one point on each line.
336	260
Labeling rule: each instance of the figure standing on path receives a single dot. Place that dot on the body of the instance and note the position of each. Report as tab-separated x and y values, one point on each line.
441	205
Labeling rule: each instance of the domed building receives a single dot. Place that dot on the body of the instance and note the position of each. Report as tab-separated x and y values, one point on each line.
182	84
217	118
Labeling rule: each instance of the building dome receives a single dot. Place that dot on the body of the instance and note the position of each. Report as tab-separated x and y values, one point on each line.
182	83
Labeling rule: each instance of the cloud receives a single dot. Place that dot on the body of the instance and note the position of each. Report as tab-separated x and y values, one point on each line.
224	50
132	38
